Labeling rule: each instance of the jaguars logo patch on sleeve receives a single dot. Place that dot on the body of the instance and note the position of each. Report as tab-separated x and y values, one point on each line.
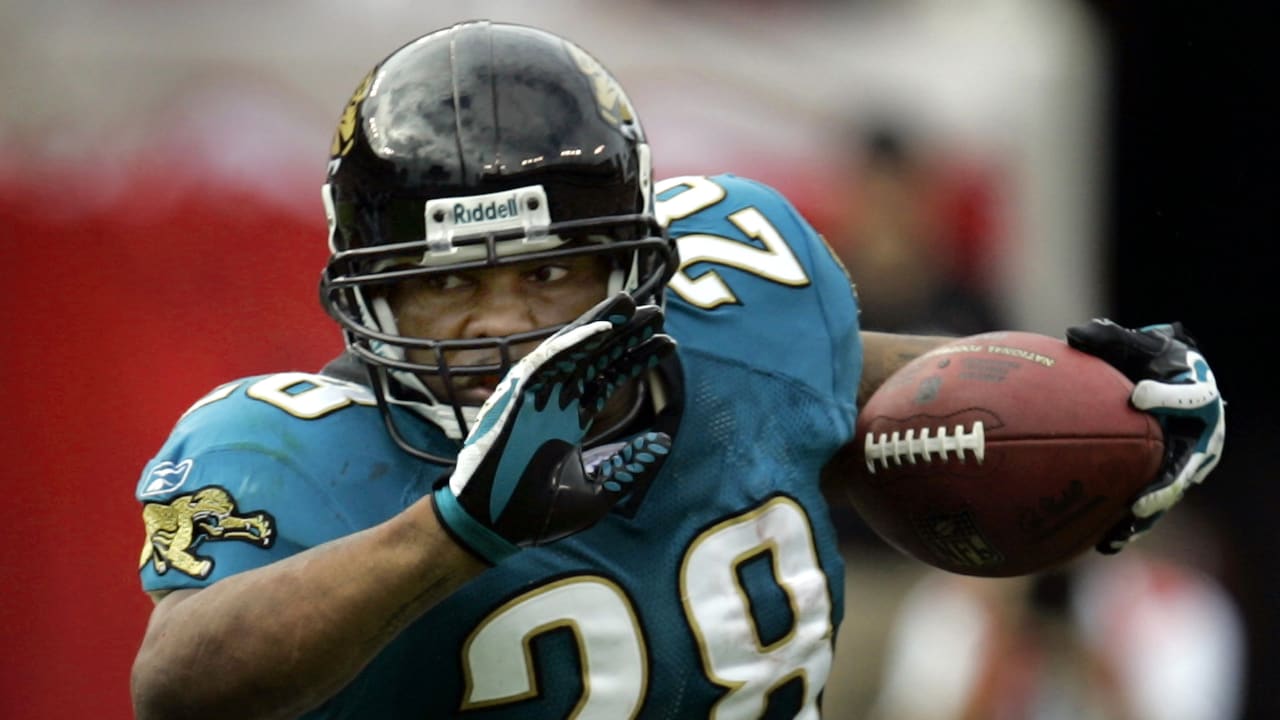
176	528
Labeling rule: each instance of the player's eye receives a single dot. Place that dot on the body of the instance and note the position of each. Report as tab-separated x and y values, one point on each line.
445	281
548	273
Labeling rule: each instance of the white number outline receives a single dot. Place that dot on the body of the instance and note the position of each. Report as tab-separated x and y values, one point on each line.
326	395
774	262
595	602
779	526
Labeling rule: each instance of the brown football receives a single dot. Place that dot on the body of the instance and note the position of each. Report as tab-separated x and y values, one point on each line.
999	454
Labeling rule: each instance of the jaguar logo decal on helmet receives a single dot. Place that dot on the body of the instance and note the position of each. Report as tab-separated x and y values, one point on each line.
344	135
614	105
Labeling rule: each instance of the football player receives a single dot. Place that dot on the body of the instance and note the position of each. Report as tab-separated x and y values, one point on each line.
569	463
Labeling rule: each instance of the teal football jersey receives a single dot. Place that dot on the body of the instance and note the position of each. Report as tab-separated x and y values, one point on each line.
718	594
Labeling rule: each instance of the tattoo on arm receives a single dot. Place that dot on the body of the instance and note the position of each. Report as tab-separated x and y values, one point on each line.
884	353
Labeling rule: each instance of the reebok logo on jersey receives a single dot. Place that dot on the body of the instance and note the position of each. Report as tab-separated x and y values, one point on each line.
166	477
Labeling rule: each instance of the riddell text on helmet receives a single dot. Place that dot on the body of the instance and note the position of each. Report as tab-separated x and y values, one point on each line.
492	210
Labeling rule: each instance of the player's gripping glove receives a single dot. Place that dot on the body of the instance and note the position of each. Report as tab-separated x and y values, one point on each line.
1174	383
520	479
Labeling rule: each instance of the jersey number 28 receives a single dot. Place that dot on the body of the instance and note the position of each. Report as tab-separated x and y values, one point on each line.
613	653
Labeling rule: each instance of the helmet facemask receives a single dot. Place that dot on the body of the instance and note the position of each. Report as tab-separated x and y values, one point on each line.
478	146
422	375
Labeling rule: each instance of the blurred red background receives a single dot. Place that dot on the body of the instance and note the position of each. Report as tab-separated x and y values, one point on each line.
121	310
134	287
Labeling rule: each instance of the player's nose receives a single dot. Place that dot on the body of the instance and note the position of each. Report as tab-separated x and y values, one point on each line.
498	310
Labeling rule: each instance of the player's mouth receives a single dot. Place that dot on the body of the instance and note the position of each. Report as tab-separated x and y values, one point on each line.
476	389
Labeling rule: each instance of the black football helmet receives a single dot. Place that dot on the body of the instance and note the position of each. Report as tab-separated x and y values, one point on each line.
475	146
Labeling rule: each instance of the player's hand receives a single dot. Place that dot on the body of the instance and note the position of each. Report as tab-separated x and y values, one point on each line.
520	479
1173	382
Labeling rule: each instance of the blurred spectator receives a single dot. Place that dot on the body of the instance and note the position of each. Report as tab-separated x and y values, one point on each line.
1134	637
902	238
911	234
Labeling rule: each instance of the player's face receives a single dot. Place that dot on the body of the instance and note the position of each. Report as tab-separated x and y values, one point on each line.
494	302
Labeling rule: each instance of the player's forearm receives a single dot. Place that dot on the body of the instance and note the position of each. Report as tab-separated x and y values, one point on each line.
279	640
884	353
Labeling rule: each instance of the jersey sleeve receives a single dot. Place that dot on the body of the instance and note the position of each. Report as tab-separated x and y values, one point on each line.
758	283
262	469
220	518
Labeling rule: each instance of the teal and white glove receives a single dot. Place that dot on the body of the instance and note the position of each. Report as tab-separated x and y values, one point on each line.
520	479
1173	382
